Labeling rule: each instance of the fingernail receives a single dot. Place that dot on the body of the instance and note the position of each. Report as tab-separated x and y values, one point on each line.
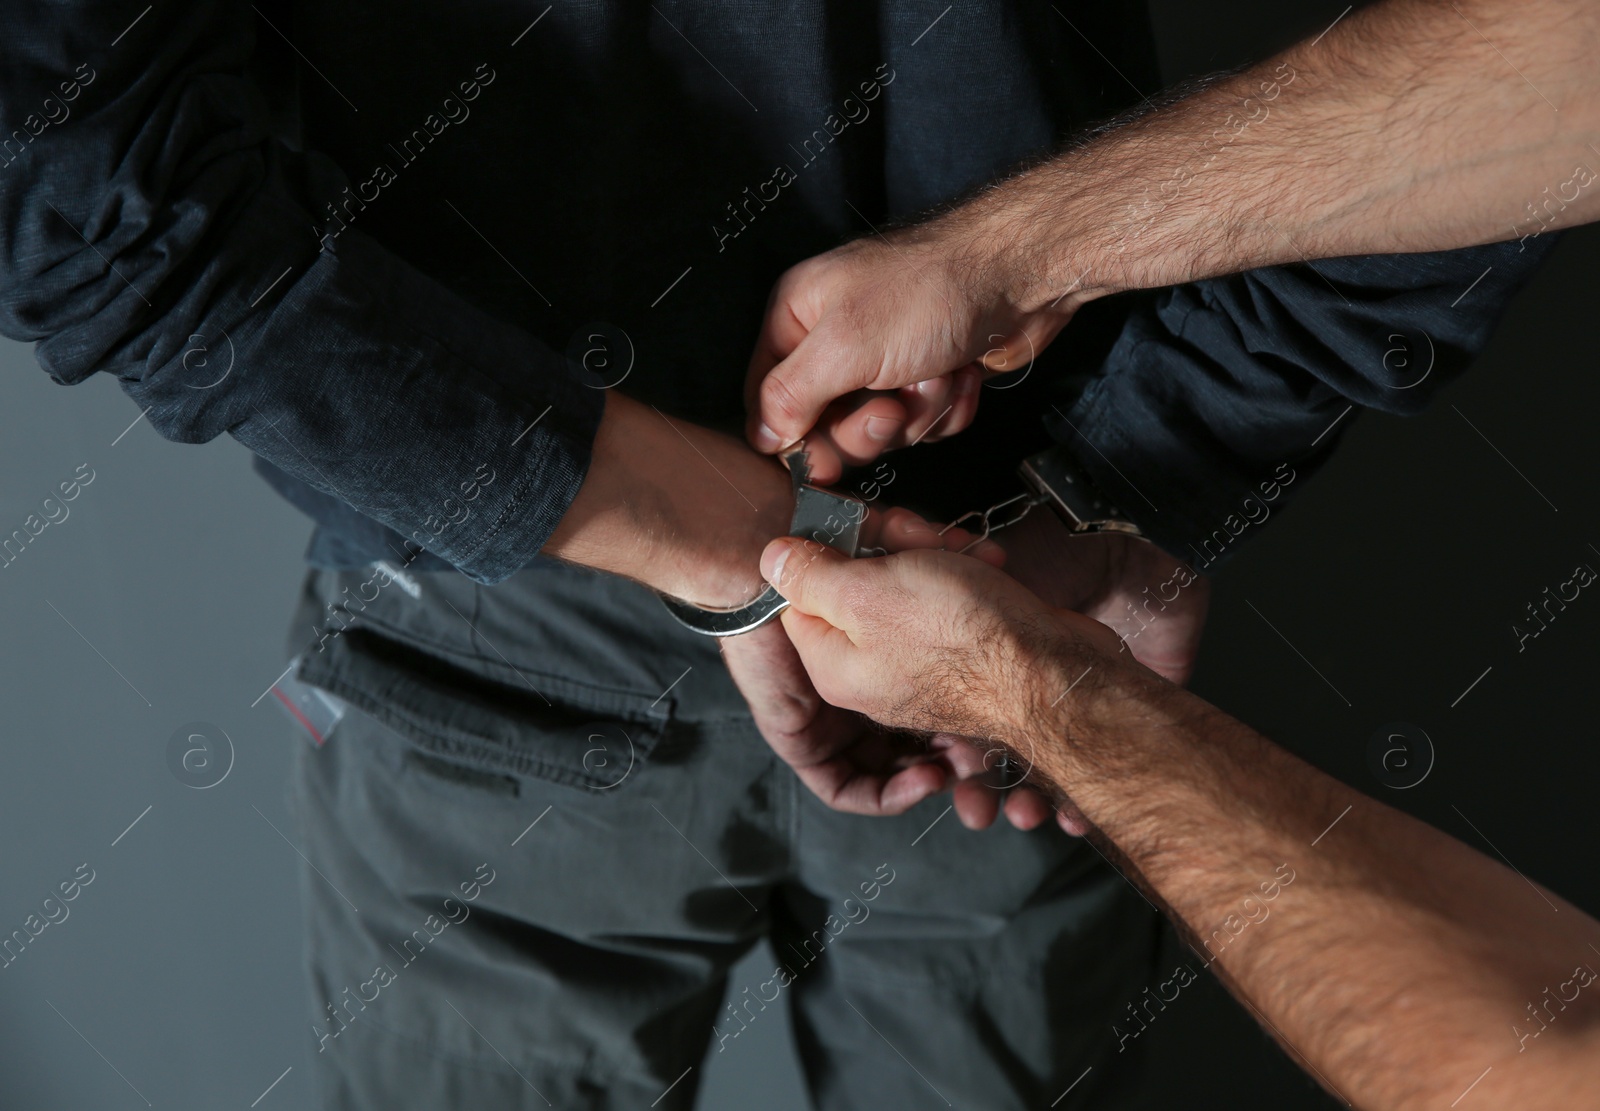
767	439
772	561
916	526
930	386
882	429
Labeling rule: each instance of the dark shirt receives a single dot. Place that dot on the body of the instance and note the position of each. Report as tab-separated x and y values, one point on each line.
382	244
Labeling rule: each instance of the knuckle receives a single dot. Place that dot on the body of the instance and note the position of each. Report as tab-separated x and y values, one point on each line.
780	400
861	596
792	286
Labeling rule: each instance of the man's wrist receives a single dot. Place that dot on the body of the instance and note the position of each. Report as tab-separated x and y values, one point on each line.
678	507
1158	199
1048	258
1011	244
1088	713
717	553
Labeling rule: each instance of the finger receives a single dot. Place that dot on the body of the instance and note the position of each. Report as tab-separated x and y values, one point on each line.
910	786
794	393
958	754
930	395
989	551
900	530
782	330
965	393
1071	819
1012	353
976	803
954	538
767	670
1026	808
814	578
863	427
846	789
953	409
831	659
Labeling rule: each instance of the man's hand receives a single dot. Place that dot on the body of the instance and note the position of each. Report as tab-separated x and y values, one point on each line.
850	763
933	305
935	642
1370	139
1156	603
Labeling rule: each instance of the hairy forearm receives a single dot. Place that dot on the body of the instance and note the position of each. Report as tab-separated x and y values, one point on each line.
1395	961
1411	125
678	507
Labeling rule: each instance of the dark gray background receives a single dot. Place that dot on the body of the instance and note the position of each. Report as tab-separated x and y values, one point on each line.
1398	574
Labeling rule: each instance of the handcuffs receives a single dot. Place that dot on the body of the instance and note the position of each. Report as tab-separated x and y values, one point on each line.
829	517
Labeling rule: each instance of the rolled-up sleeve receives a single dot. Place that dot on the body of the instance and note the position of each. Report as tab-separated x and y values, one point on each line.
1217	389
152	227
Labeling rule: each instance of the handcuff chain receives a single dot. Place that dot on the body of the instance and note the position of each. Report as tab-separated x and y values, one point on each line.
990	526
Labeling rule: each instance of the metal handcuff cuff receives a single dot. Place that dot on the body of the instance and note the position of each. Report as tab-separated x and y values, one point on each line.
1051	478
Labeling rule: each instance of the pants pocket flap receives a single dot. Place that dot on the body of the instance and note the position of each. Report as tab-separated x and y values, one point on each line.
547	726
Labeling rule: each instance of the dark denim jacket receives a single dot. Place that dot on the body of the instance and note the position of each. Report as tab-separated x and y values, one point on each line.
374	242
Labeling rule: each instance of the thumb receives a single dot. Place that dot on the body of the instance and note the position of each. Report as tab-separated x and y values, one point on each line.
810	575
792	395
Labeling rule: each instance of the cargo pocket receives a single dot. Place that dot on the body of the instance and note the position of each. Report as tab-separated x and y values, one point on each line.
462	711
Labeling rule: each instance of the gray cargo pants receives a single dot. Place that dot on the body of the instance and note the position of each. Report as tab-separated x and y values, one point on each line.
546	828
